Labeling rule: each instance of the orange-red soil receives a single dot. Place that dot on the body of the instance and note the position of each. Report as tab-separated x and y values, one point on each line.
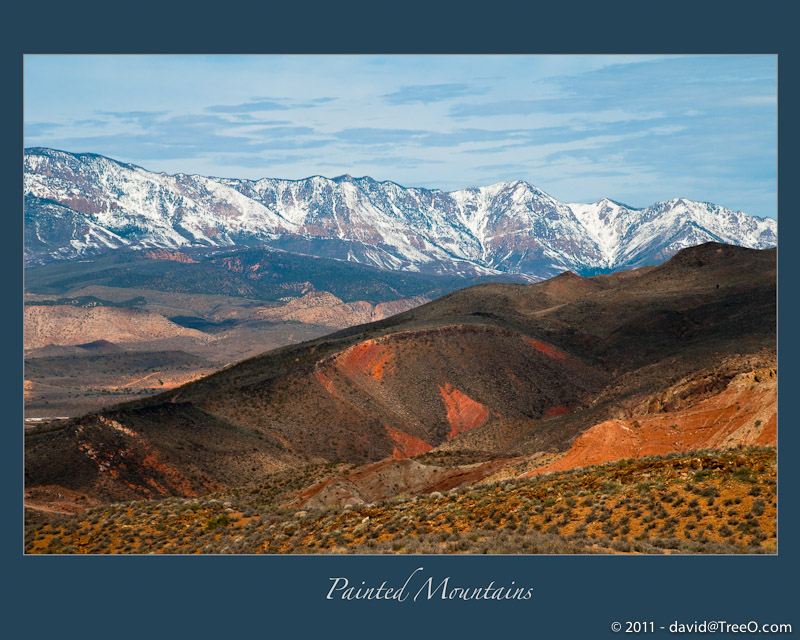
368	358
744	413
406	445
463	413
546	349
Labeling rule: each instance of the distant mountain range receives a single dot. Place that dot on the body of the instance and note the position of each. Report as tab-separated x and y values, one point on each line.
83	205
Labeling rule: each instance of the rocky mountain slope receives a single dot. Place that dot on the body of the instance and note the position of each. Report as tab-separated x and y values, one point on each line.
80	205
489	372
222	305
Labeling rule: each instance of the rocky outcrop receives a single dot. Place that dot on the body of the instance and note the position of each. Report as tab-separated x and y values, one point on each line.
165	254
387	478
323	308
463	413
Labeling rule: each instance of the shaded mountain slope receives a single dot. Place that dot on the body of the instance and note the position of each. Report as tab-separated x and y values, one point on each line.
173	449
254	272
529	367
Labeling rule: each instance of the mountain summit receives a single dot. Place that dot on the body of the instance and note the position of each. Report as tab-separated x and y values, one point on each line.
81	205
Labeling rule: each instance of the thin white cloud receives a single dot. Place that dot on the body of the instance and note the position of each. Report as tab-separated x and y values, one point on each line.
759	101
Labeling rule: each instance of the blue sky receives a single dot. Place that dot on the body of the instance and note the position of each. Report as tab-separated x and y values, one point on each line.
637	129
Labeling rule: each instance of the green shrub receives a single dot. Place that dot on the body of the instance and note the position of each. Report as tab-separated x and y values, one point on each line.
610	487
222	520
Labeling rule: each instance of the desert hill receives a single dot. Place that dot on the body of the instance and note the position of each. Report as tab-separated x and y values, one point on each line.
699	502
496	370
325	309
68	325
218	304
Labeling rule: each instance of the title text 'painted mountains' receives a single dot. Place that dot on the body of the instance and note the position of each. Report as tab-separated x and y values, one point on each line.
81	205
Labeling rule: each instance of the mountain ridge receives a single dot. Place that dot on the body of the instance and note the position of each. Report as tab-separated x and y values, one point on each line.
79	205
556	358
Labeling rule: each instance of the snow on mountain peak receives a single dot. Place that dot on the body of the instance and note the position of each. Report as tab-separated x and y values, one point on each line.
80	204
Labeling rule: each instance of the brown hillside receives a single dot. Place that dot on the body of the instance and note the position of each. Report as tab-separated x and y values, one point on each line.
173	450
323	308
500	370
378	396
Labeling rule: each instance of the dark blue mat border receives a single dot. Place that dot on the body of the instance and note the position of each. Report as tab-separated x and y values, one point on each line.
573	597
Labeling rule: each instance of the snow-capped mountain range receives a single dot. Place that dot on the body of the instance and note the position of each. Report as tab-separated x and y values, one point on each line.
81	205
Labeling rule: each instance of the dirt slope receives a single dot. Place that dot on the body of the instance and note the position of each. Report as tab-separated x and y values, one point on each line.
745	413
503	369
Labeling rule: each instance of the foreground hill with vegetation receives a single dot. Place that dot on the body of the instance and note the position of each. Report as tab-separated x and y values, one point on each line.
700	502
518	384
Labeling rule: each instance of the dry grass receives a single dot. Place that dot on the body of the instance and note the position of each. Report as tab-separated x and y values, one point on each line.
703	502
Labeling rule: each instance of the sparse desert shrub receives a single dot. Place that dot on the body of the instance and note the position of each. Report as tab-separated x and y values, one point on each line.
621	545
611	487
701	475
222	520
